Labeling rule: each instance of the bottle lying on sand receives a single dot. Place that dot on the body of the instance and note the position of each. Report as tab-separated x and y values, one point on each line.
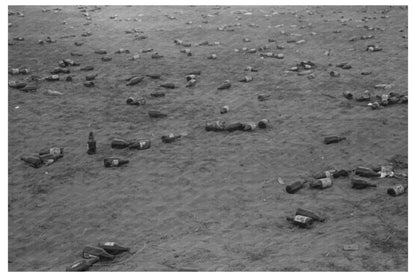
170	138
17	84
57	151
384	171
134	80
301	221
119	143
190	83
215	126
92	144
94	251
310	214
358	183
321	183
365	96
113	248
52	78
168	85
114	162
397	190
366	172
157	114
33	161
225	85
135	102
294	187
263	123
83	265
246	79
333	139
140	144
331	173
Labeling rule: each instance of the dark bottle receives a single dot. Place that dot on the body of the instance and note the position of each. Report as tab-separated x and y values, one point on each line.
333	139
157	94
17	85
134	80
114	162
140	144
83	265
366	172
113	248
234	126
33	161
89	251
331	173
170	138
301	221
397	190
87	68
215	126
294	187
321	183
29	88
119	143
100	51
361	183
263	123
92	144
157	114
310	214
154	76
168	85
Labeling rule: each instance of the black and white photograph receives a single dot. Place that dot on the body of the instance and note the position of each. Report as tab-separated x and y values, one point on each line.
192	137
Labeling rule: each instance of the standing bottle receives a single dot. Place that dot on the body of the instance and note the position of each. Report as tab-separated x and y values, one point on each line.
366	172
140	144
301	221
361	183
113	248
114	162
92	144
397	190
321	183
83	265
294	187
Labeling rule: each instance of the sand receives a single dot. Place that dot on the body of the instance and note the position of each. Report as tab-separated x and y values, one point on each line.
210	201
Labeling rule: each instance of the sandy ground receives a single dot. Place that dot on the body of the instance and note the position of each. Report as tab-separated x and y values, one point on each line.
211	201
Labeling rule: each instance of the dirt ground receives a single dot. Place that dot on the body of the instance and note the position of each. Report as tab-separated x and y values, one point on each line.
210	201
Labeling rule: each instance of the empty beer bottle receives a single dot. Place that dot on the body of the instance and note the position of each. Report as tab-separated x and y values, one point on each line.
119	143
384	171
140	144
301	221
114	162
168	85
366	172
113	248
310	214
246	79
397	190
321	183
92	144
215	126
331	173
361	183
83	265
136	102
94	251
33	161
333	139
56	151
134	80
294	187
225	85
170	138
